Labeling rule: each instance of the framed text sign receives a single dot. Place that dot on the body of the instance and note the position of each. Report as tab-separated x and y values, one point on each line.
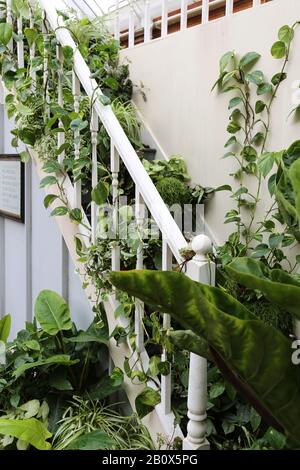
12	187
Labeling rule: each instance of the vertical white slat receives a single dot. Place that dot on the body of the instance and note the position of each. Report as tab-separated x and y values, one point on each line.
205	11
164	18
60	99
256	3
131	28
20	44
117	21
32	51
147	22
183	15
45	67
139	305
9	21
229	7
202	270
94	126
166	384
115	168
76	96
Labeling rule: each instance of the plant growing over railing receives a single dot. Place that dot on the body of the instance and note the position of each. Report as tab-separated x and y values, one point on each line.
249	127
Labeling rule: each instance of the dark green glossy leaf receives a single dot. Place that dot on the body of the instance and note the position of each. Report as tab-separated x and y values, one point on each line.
95	440
278	286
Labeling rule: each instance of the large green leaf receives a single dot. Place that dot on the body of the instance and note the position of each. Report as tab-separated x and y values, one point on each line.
52	312
29	430
60	359
277	285
254	357
95	440
294	174
5	324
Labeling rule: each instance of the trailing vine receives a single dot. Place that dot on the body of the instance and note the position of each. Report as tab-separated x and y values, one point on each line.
250	127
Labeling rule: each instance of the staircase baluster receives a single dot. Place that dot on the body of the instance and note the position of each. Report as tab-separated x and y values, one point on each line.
147	22
131	28
256	3
229	7
20	43
166	384
115	168
139	305
94	126
183	15
164	18
45	66
117	21
60	99
76	96
32	51
202	270
205	11
9	21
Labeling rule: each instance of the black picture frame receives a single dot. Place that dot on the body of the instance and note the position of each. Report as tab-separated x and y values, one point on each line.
21	216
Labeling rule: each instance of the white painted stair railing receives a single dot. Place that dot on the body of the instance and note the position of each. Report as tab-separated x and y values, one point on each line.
129	17
161	420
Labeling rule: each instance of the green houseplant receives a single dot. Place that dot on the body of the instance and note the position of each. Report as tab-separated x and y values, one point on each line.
254	358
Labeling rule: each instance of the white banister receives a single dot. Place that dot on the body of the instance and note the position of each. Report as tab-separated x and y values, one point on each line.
115	168
139	305
152	198
183	14
9	21
60	100
256	3
76	96
164	18
45	65
147	22
131	28
32	51
205	11
94	127
20	42
200	269
229	7
166	380
117	21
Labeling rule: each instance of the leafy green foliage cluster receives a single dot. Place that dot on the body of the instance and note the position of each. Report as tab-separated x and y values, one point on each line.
45	367
249	128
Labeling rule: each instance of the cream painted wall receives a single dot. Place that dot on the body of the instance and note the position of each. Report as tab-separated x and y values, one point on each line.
182	112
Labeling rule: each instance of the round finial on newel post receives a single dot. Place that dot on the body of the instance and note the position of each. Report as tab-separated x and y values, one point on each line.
201	245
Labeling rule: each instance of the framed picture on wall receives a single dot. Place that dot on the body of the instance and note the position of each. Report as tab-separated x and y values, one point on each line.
12	191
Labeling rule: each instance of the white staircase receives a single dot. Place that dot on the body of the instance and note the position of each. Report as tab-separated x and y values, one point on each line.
161	420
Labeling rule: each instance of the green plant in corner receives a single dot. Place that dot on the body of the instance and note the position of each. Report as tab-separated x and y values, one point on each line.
249	128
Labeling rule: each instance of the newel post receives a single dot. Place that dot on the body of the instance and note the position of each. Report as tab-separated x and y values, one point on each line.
200	269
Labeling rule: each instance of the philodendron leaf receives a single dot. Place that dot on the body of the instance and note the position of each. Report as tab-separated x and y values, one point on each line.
29	430
146	401
254	357
294	174
58	359
278	286
52	312
5	324
95	440
189	341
